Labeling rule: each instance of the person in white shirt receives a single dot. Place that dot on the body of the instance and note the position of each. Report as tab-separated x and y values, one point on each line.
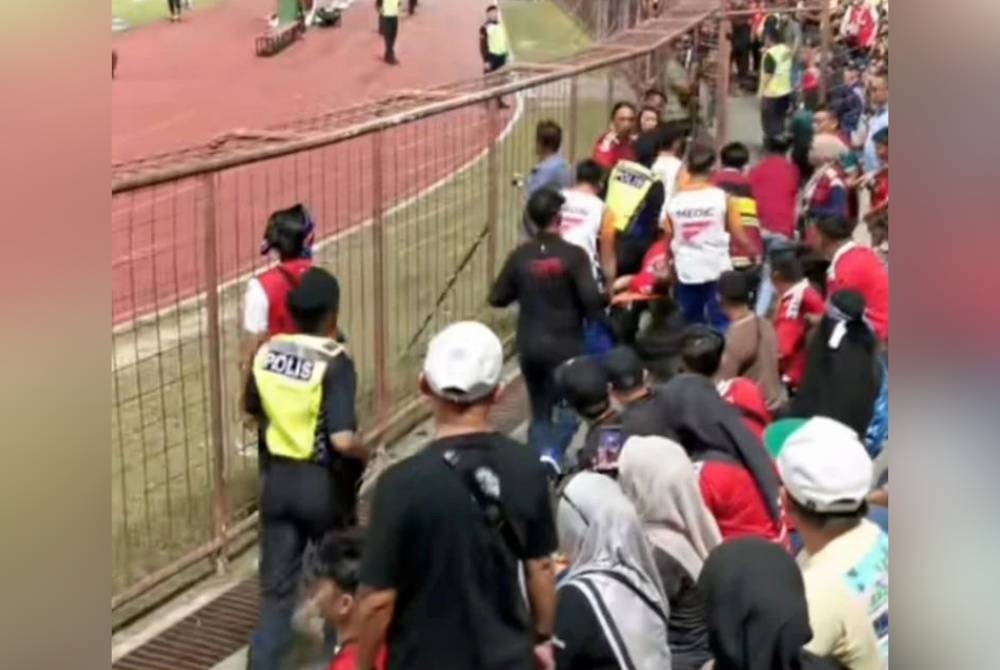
586	220
700	219
668	164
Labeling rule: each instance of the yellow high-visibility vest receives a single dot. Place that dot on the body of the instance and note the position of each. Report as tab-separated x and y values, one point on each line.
628	186
288	371
390	8
747	208
496	38
780	83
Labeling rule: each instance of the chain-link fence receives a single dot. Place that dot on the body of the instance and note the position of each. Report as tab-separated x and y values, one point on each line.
415	207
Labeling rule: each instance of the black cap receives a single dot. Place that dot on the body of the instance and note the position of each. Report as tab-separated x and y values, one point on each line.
583	383
318	293
625	369
734	287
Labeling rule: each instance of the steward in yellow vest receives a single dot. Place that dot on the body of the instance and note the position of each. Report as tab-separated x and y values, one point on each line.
388	11
775	84
494	46
301	390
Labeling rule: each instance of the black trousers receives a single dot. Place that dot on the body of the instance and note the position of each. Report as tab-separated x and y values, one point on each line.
551	427
175	6
773	112
389	27
298	505
741	57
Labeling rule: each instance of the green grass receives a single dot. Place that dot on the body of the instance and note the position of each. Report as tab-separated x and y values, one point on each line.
139	13
541	31
160	457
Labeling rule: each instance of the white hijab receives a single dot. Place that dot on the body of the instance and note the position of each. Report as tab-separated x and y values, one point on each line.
660	479
611	563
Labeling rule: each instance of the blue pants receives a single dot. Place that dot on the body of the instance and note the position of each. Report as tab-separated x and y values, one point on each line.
597	340
878	429
699	303
552	424
765	291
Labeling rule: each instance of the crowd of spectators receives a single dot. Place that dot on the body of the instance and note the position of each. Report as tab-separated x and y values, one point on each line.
702	333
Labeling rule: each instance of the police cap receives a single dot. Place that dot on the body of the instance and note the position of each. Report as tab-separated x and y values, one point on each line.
318	293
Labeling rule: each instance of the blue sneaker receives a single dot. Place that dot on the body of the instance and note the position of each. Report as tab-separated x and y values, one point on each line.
550	459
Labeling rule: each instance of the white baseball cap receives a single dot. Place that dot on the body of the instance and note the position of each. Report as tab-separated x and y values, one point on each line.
464	362
825	468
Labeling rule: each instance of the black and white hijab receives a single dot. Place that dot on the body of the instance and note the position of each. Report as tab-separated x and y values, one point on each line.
611	564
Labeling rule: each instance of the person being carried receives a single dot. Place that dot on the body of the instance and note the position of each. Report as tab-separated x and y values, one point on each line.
826	478
454	529
701	218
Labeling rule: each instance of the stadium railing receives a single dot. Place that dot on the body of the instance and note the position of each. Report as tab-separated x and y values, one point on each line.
415	207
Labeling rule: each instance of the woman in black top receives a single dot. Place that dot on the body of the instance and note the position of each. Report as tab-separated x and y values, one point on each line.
756	609
843	374
659	478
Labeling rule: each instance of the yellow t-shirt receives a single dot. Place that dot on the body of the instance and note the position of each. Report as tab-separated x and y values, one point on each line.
847	591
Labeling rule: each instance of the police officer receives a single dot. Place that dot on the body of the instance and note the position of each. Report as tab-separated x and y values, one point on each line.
301	391
493	44
775	83
388	11
635	197
289	232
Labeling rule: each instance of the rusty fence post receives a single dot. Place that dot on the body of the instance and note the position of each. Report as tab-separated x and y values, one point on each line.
378	268
826	42
220	497
492	195
722	78
574	118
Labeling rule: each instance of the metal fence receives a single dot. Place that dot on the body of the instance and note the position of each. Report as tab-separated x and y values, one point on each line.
415	208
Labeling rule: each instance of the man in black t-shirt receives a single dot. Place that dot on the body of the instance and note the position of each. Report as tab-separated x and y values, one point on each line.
451	526
630	389
553	283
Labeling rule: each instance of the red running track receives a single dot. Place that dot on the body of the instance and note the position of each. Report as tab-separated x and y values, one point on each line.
182	84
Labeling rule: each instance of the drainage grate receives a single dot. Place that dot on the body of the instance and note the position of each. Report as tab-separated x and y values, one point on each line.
202	639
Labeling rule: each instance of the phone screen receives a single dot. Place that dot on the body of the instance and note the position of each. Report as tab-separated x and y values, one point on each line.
609	445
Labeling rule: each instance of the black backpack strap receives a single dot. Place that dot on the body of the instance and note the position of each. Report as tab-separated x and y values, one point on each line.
492	507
